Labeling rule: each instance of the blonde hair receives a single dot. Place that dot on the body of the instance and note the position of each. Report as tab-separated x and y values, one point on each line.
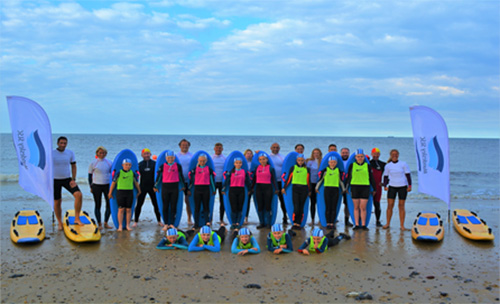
101	148
245	153
312	156
390	158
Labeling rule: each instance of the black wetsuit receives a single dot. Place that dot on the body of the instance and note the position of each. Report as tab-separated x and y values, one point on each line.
147	171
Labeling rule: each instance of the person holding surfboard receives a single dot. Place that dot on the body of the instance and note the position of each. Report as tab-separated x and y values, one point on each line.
360	179
125	180
344	154
377	170
397	182
236	181
264	180
64	159
99	176
300	178
207	239
278	159
184	157
244	243
173	239
248	155
201	180
313	163
334	186
219	159
169	177
147	182
319	243
278	241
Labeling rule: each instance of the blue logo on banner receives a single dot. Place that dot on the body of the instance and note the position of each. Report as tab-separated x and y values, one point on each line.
418	157
37	151
436	158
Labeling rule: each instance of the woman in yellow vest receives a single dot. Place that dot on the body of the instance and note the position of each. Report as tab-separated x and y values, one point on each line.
332	179
360	179
300	179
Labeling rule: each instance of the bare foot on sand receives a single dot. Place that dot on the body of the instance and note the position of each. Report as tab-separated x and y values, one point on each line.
386	226
107	226
160	224
100	226
119	230
404	229
134	224
246	221
60	227
129	228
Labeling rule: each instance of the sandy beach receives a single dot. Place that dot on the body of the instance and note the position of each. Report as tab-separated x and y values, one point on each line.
126	267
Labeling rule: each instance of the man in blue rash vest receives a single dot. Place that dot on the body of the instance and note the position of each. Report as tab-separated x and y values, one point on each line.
184	157
344	154
147	182
206	239
278	241
219	161
319	243
278	159
174	239
244	243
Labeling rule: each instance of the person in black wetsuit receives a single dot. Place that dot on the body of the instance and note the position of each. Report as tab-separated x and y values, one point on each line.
147	174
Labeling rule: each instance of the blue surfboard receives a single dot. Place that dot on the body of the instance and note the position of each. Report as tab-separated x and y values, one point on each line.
228	166
160	162
192	165
320	197
350	204
291	160
274	202
116	167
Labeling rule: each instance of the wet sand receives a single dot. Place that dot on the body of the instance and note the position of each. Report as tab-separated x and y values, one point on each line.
126	267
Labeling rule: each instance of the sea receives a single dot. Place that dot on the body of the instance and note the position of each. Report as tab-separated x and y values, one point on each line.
474	163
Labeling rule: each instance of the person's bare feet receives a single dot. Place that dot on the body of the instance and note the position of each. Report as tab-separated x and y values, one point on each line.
164	228
100	226
129	228
190	222
386	226
119	229
404	229
246	221
107	226
60	227
134	224
78	222
160	224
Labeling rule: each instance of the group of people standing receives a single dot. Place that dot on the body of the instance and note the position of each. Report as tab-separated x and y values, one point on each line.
360	177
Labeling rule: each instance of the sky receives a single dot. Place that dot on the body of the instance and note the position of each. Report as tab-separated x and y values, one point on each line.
253	67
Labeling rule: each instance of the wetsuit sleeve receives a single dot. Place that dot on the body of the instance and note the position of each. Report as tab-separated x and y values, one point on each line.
304	245
216	246
308	179
90	179
227	181
181	176
254	177
273	178
408	178
212	179
192	246
321	174
348	177
254	245
115	177
182	241
161	245
191	178
136	176
234	246
248	180
159	181
341	184
372	179
290	175
323	246
289	244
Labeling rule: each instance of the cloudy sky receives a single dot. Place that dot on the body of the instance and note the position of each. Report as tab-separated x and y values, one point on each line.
249	67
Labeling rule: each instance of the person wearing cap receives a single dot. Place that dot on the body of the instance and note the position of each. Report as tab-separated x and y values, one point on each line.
125	180
99	176
397	182
264	181
173	239
319	243
331	178
147	182
168	177
184	158
313	163
219	159
377	170
344	154
235	183
360	179
207	239
300	179
201	179
278	241
244	243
